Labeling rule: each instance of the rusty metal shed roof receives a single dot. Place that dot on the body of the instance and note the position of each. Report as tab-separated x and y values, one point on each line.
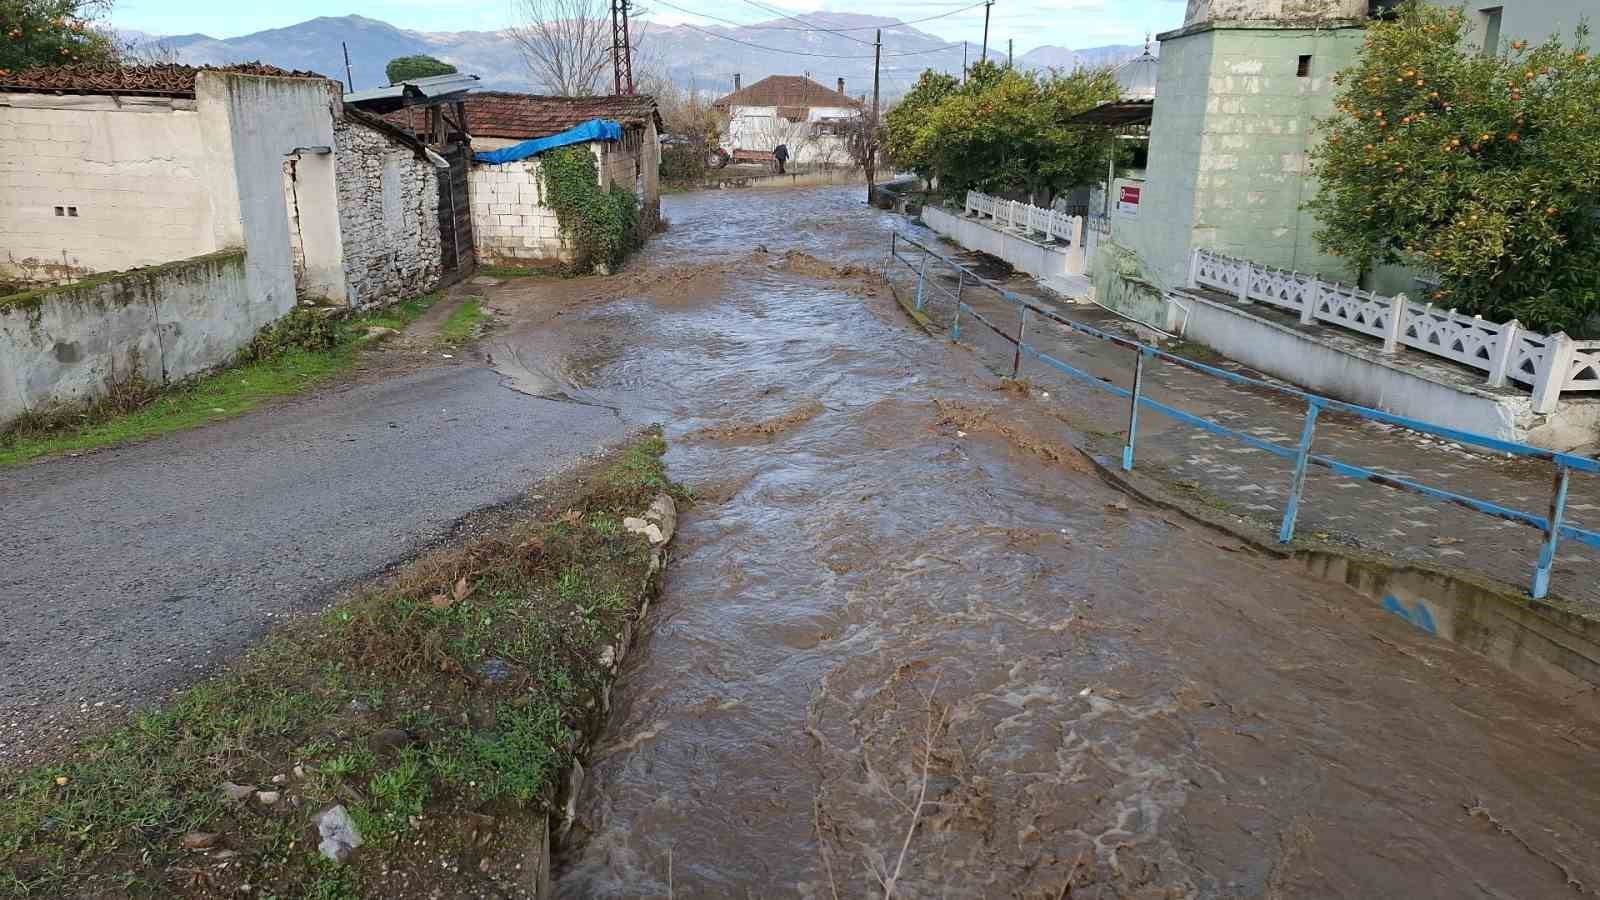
502	114
1116	114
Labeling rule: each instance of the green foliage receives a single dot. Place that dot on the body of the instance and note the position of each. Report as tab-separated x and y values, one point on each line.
1482	169
600	226
683	163
404	68
302	329
53	33
1003	131
906	134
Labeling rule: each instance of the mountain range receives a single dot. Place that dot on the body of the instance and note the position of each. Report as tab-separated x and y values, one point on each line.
703	58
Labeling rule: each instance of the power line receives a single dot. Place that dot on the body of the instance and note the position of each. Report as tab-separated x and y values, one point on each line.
780	12
807	52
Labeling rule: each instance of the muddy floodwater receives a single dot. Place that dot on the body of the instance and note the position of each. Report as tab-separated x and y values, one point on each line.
908	638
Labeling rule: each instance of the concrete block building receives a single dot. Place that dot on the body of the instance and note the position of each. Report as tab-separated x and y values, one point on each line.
512	224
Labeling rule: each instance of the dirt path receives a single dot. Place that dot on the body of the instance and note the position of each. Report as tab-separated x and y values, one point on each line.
907	636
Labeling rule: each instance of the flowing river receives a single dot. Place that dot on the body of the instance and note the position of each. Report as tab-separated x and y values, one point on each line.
908	639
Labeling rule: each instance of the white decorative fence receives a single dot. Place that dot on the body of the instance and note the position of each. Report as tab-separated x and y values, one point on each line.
1025	217
1549	364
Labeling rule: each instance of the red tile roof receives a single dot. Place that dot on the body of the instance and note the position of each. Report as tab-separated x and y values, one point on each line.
500	114
158	80
787	90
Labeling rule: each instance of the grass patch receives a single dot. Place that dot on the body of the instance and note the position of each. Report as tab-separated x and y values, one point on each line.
440	707
462	323
512	271
300	351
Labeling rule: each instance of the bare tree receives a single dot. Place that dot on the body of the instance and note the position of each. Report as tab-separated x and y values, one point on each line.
566	44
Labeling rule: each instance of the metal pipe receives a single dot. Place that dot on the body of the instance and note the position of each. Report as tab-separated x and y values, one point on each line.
1552	533
1022	331
1298	483
1133	410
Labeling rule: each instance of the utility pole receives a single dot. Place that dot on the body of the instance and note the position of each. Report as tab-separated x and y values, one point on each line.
627	50
616	51
1011	53
872	126
349	80
621	49
963	62
985	56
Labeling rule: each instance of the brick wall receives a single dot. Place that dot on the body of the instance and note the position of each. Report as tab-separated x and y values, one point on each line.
388	216
114	169
511	224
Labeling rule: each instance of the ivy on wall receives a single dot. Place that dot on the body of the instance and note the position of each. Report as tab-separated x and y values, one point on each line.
600	225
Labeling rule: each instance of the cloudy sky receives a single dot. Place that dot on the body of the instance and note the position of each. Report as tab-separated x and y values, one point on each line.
1069	23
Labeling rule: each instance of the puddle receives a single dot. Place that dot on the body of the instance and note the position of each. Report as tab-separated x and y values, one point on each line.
889	592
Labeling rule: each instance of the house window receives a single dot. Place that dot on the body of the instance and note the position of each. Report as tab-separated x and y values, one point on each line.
71	211
1491	29
1304	68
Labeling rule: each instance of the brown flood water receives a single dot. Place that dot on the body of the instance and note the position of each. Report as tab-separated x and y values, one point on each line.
883	595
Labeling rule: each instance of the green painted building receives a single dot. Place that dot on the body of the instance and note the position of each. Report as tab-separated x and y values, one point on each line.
1241	86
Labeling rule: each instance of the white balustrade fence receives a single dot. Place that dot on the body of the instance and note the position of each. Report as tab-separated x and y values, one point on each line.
1548	364
1025	217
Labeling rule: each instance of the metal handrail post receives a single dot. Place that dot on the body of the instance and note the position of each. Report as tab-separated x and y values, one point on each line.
1133	408
1552	533
1302	455
955	323
922	271
1022	331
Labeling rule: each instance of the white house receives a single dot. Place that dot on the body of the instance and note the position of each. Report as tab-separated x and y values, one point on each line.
811	120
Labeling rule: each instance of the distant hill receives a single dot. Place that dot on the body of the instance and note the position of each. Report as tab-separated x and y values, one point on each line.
1052	57
689	57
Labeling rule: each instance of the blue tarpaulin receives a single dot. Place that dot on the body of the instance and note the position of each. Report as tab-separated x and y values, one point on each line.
592	130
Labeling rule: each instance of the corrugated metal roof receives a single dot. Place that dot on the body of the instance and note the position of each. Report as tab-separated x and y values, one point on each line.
1117	113
412	91
156	80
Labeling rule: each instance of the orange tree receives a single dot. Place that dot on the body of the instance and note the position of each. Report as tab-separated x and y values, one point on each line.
1480	167
53	33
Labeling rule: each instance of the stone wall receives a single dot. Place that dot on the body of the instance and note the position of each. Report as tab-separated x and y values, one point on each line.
81	177
388	216
66	344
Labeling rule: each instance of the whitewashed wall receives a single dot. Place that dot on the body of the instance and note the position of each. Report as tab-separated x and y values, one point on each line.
133	168
759	128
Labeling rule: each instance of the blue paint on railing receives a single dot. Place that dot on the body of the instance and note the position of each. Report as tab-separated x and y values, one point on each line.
1417	615
1552	525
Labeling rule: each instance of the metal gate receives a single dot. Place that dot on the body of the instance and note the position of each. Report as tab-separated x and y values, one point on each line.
455	217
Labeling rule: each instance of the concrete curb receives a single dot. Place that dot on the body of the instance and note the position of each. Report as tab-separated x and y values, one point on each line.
1538	639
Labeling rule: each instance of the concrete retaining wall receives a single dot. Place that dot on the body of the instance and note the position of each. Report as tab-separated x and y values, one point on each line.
1042	261
65	345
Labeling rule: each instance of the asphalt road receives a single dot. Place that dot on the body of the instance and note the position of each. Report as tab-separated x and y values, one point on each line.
126	572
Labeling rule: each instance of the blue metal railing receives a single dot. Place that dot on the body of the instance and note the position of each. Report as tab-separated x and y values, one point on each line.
1553	523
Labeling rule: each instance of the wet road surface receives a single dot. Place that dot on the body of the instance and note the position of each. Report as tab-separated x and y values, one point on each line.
908	637
132	570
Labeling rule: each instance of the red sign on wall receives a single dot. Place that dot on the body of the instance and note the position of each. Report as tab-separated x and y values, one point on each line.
1128	200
